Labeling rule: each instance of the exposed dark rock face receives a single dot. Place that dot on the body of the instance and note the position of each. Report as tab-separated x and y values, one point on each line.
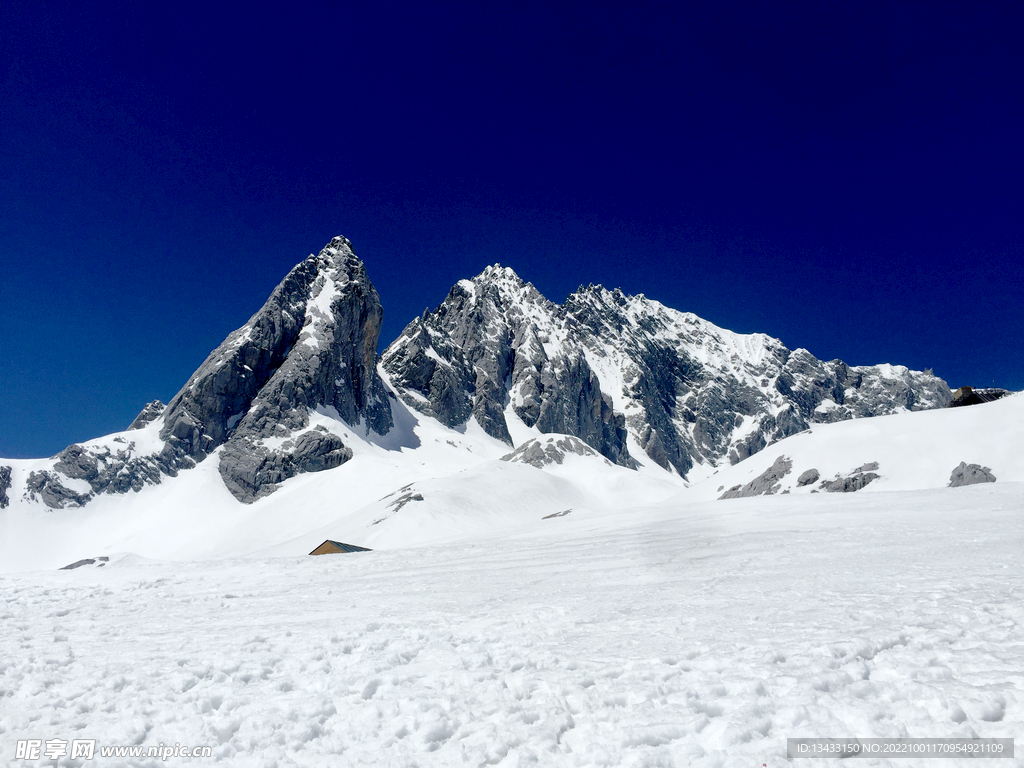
970	396
47	486
765	484
98	561
808	477
150	413
255	470
605	366
107	470
489	345
5	485
859	478
970	474
313	345
541	452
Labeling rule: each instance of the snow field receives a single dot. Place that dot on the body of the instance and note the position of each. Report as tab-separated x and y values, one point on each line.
914	451
672	636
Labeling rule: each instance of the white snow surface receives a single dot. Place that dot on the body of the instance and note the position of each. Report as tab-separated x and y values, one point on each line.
702	635
577	615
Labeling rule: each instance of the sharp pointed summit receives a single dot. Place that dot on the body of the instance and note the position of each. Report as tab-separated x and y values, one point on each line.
313	345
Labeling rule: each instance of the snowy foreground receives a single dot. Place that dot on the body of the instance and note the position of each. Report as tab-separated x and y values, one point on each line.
673	635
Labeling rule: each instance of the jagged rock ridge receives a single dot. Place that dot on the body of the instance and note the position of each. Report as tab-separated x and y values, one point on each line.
495	338
313	345
623	374
607	368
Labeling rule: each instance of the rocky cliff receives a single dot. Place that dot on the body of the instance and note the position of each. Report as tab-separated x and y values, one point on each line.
313	345
617	370
627	376
496	341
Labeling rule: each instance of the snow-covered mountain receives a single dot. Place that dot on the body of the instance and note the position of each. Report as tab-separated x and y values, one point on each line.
645	386
516	467
632	378
313	345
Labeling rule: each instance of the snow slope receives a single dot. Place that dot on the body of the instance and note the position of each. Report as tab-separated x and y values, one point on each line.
468	492
914	451
649	625
700	635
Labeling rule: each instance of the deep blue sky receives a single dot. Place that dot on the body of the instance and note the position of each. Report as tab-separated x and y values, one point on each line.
844	176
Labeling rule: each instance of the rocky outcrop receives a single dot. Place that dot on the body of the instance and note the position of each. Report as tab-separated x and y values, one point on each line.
970	474
767	483
5	486
99	562
856	480
541	452
118	467
47	487
604	366
250	470
147	415
807	477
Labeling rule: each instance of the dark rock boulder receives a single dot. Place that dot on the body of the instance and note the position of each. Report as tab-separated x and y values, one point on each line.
856	480
809	477
765	484
5	486
970	474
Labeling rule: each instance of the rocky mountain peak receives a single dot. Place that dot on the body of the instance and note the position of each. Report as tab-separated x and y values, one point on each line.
496	342
497	273
311	347
629	377
611	369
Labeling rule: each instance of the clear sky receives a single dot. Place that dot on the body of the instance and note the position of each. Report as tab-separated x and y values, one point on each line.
844	176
